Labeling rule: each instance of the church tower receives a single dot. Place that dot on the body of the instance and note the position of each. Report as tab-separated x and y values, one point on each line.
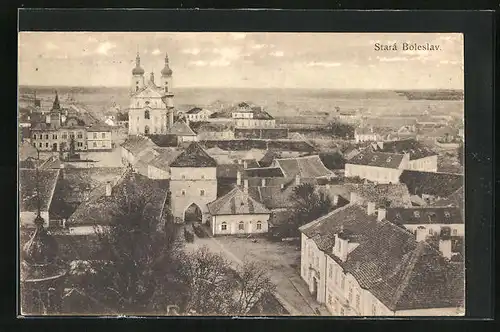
168	95
137	76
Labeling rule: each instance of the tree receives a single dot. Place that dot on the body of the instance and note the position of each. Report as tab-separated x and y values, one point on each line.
143	257
341	130
308	204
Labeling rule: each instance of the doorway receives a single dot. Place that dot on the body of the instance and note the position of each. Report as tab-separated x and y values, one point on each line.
193	214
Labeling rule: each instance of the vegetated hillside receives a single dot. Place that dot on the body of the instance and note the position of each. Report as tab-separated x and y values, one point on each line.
432	94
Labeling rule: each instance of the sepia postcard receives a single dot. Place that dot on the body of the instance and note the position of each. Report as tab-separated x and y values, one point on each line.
241	174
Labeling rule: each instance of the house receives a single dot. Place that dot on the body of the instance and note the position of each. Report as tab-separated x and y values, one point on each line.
421	157
197	114
365	134
193	182
261	133
348	116
183	132
213	131
105	201
379	167
159	167
132	148
395	122
428	221
306	167
238	213
359	264
431	186
245	115
36	194
99	137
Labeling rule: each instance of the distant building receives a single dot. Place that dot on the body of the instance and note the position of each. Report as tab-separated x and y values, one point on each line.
197	114
159	167
431	186
348	116
359	264
99	138
151	109
183	132
134	147
193	182
365	134
379	167
306	167
238	213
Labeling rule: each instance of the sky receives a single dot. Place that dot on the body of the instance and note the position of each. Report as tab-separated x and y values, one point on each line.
244	60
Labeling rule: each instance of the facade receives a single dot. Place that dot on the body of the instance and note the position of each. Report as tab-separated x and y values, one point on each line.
193	181
351	262
377	167
99	138
151	106
159	167
198	114
238	213
183	132
365	135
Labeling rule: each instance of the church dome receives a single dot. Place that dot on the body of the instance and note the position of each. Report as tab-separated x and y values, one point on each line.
166	71
138	69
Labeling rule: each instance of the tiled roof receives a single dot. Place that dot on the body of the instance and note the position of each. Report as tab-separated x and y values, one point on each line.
141	164
430	183
194	156
195	110
264	172
180	128
455	199
270	155
167	140
164	158
42	126
425	215
136	144
414	148
28	188
99	127
305	167
364	131
395	193
228	170
377	159
99	208
274	197
236	202
388	262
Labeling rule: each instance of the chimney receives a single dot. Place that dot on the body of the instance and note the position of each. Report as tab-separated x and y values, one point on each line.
239	161
445	246
282	186
381	213
109	189
370	209
263	182
238	178
245	164
297	179
421	234
245	186
335	200
353	198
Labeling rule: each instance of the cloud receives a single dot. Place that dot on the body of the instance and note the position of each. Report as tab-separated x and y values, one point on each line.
230	53
156	52
238	35
198	63
392	59
219	63
91	39
323	64
277	53
51	46
258	46
449	62
104	48
193	51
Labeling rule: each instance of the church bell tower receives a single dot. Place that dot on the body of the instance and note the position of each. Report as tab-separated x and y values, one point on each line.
137	76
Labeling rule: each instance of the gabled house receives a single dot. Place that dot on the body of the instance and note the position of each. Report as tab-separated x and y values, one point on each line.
378	167
183	132
421	157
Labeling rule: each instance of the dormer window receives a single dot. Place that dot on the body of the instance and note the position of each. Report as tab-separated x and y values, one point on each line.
447	214
374	158
416	214
389	159
146	114
360	157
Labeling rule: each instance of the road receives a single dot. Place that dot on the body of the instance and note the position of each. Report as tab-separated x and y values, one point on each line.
291	290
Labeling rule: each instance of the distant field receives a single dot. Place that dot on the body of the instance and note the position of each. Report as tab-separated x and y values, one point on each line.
279	102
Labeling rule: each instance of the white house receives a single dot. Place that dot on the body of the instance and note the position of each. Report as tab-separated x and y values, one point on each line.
362	265
365	134
378	167
183	132
198	114
238	213
99	138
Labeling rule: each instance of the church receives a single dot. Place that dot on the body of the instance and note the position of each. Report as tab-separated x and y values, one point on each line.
151	109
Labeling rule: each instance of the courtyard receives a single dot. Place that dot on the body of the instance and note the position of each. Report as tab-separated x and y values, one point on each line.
282	261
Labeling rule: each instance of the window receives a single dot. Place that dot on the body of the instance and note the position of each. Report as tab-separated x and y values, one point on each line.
342	282
95	144
454	232
46	136
358	300
64	136
183	176
103	144
40	145
330	271
103	135
374	309
54	136
416	214
80	135
34	136
72	135
430	231
80	144
183	192
95	135
223	226
46	145
202	192
241	226
146	114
